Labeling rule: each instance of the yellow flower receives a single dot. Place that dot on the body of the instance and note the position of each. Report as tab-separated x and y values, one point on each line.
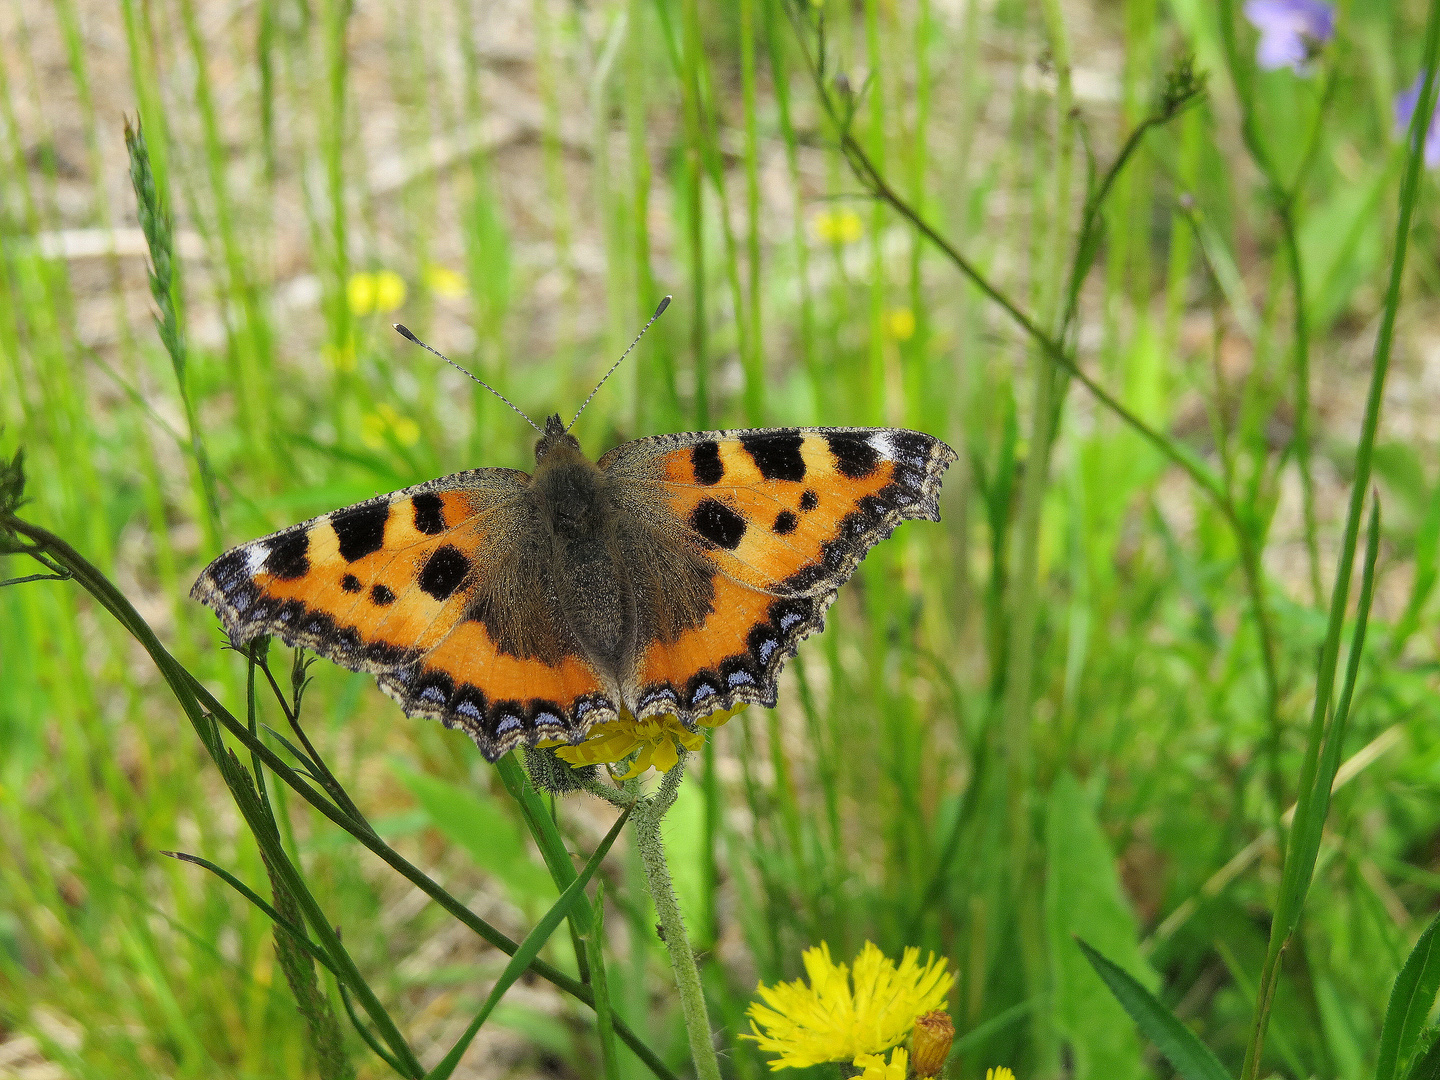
901	323
1001	1073
877	1068
383	290
838	1017
385	424
442	281
655	737
838	226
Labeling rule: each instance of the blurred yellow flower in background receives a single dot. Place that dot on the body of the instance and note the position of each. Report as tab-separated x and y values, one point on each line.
900	322
1001	1073
840	1017
442	281
384	425
382	291
842	226
656	737
877	1068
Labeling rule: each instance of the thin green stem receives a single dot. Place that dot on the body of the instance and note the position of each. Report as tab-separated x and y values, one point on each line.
879	187
1284	200
648	815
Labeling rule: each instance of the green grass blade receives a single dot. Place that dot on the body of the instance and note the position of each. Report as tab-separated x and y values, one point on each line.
1191	1058
526	953
316	953
546	833
1310	813
1411	1000
604	1019
1427	1067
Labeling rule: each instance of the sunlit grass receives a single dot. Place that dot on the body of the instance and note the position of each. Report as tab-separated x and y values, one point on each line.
1065	710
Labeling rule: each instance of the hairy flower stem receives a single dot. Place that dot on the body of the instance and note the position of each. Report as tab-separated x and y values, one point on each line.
647	817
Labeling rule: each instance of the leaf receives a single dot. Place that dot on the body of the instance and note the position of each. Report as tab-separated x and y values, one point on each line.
1410	1002
1399	465
1191	1058
1427	1066
528	950
477	824
1083	894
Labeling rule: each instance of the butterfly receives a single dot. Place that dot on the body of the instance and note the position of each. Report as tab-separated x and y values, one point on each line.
675	575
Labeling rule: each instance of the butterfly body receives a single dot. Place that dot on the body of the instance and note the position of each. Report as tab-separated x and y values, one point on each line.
675	575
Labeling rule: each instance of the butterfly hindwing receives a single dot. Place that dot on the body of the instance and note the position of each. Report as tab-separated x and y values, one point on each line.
434	590
782	517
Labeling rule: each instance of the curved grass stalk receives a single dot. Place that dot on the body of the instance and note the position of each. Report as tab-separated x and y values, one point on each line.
207	715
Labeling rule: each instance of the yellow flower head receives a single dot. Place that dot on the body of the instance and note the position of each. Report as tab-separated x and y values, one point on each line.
655	737
380	291
442	281
839	1017
901	323
877	1068
1001	1073
838	226
385	424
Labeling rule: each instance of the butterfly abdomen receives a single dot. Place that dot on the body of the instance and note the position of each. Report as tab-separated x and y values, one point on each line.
592	584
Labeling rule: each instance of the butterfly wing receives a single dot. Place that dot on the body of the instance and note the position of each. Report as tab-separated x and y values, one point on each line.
439	591
777	520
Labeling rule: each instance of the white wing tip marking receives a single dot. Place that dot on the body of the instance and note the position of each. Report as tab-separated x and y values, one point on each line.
255	557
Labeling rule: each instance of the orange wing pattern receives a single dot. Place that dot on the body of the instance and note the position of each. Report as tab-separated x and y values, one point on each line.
784	515
399	587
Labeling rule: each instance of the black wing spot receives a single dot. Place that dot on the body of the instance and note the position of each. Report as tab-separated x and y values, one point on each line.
444	571
429	514
381	595
361	531
705	459
289	556
809	500
350	583
777	457
785	522
854	457
718	524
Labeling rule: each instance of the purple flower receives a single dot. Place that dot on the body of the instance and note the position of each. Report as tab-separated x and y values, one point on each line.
1405	103
1291	31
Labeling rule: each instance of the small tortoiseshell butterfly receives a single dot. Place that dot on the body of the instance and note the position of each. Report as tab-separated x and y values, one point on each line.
675	575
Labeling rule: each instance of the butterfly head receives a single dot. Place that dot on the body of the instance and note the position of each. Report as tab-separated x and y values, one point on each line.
556	437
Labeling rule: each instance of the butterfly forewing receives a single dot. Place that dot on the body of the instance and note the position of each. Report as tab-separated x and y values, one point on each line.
782	516
429	589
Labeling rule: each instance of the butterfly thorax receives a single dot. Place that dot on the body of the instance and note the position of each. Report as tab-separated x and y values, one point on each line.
592	585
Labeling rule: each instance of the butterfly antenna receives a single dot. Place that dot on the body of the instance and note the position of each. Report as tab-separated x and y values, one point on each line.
658	312
404	332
